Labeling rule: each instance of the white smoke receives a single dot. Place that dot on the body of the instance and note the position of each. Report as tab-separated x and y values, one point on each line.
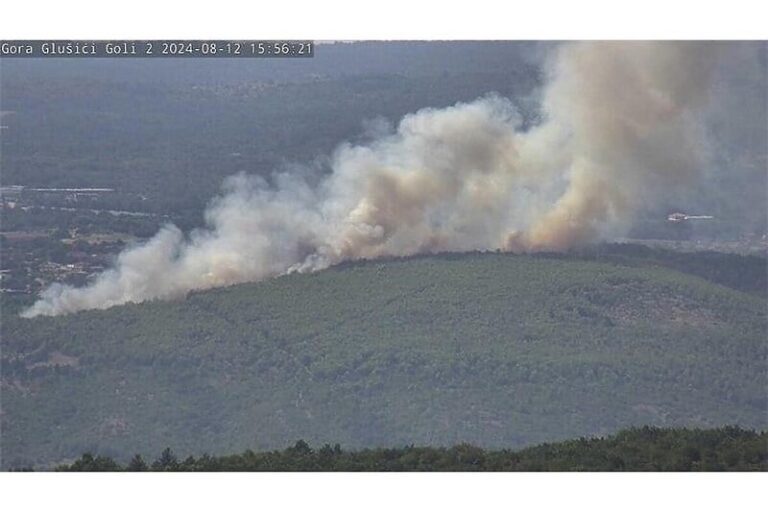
620	130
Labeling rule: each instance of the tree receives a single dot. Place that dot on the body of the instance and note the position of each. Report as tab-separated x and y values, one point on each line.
90	463
300	448
166	462
137	464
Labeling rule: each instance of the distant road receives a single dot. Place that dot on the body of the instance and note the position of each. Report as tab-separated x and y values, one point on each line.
71	189
116	213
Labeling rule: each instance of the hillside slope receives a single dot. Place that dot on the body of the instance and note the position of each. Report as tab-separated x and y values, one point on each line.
491	349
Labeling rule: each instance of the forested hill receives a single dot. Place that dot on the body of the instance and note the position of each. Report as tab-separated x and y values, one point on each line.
637	449
495	350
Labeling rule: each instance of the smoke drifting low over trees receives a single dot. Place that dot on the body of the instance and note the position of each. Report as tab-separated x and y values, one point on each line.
623	127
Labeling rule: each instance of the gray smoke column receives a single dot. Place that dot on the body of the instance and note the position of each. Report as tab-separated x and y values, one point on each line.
620	129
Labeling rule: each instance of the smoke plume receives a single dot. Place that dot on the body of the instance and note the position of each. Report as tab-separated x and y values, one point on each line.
620	129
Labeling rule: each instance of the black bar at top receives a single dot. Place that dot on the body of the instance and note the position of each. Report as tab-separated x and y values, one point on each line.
163	48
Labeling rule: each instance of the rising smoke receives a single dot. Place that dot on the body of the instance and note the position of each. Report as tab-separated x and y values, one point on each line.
621	129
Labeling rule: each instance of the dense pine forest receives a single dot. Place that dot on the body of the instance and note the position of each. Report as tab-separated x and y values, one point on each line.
496	350
637	449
